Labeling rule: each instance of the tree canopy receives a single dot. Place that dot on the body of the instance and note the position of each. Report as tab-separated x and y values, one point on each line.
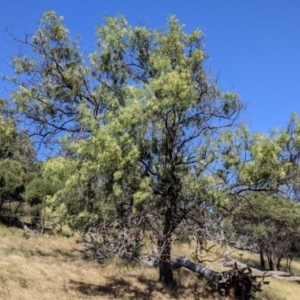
147	144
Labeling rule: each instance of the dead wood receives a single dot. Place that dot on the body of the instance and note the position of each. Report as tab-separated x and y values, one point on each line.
238	283
275	274
149	259
234	284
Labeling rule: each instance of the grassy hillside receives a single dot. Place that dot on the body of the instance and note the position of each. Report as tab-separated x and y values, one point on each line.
55	267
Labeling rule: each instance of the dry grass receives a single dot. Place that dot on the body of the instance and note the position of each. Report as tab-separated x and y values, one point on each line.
278	289
55	267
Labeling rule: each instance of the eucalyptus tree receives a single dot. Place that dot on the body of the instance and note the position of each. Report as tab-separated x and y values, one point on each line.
138	124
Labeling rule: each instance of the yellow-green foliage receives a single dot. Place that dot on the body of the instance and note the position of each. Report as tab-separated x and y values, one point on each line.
139	126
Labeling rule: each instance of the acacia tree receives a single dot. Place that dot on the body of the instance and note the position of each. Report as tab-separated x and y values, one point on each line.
146	113
269	226
264	172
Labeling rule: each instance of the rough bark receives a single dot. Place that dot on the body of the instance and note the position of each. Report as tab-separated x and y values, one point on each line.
164	245
165	267
270	261
262	260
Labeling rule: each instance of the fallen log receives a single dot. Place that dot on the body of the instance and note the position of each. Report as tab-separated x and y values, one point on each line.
208	274
228	261
235	284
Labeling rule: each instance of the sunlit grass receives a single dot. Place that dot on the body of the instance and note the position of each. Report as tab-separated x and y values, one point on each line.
252	259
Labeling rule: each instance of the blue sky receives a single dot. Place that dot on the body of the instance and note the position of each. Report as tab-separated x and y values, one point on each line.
254	45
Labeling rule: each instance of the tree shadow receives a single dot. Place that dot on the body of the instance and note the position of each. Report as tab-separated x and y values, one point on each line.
143	288
11	221
114	287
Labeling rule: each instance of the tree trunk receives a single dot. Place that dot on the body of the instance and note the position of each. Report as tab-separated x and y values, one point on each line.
278	265
262	260
289	262
1	203
165	267
270	261
164	248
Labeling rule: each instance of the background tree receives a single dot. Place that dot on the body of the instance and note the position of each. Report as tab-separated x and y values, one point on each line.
264	170
35	194
17	159
12	182
268	226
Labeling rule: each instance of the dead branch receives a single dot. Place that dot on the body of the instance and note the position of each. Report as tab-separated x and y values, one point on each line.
238	283
275	274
